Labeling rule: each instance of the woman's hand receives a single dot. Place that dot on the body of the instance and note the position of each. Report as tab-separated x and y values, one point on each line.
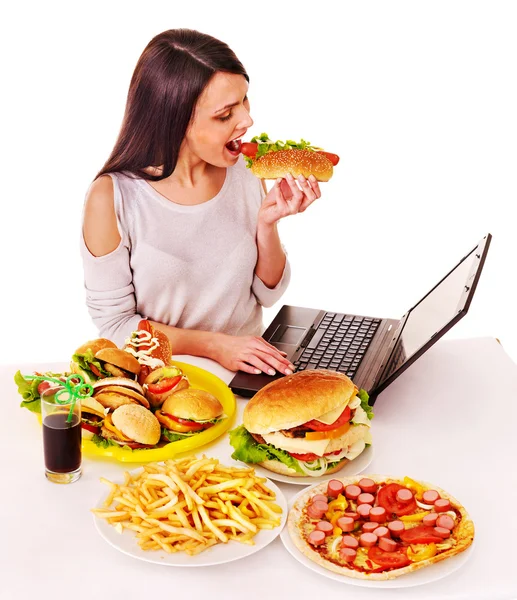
287	198
251	354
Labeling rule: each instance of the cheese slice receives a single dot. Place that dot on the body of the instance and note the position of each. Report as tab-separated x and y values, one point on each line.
360	417
296	445
331	416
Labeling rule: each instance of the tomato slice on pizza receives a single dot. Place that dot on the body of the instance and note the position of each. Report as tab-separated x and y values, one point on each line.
378	527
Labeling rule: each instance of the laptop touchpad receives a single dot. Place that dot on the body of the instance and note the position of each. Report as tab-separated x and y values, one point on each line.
287	334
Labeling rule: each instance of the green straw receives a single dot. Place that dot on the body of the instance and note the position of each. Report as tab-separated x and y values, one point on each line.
77	390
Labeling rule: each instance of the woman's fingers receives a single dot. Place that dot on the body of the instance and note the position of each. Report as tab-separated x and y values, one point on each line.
274	363
280	357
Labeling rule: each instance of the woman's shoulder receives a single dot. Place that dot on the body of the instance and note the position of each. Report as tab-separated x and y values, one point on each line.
100	229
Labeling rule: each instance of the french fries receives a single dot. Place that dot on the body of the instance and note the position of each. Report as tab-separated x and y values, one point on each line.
190	504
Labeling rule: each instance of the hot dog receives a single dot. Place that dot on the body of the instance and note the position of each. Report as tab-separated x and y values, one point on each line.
270	160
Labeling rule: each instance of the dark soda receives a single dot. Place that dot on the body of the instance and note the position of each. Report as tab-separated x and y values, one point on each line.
62	442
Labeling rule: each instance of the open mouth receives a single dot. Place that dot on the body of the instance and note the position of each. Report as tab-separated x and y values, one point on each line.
234	146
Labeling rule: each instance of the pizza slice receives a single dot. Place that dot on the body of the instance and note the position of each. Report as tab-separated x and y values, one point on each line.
378	527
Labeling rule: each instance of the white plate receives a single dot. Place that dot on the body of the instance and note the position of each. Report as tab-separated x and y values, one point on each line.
354	467
419	577
126	542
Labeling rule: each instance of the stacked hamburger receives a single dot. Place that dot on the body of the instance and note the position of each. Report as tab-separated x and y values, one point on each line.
139	398
307	424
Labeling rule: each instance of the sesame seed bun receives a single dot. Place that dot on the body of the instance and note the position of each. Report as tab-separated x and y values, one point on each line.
297	162
137	423
95	346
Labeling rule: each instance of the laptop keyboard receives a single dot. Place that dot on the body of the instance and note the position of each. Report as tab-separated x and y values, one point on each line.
339	344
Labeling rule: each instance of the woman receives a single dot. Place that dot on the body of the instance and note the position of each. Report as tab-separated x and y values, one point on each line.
176	229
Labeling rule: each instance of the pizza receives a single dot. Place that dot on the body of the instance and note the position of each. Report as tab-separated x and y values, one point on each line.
378	527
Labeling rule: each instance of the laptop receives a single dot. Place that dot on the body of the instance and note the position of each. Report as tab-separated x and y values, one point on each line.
372	351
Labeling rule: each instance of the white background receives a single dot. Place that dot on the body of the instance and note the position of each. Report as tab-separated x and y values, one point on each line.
418	98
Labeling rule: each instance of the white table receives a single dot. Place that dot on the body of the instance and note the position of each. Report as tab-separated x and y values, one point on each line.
450	419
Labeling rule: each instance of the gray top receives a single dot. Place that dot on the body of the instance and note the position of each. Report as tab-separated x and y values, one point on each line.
187	266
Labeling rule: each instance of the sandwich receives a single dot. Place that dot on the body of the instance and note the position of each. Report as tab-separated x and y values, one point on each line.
162	383
188	412
101	358
306	424
151	348
270	160
131	425
113	392
92	417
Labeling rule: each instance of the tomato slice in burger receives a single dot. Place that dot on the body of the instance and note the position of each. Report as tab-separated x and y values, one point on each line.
390	560
316	425
90	428
328	435
307	457
387	498
421	534
165	385
95	371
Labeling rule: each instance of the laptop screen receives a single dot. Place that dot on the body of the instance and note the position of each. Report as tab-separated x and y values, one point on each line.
437	311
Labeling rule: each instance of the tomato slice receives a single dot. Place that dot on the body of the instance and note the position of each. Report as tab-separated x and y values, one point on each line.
421	534
305	457
165	385
95	371
328	435
249	149
387	498
89	427
391	560
44	385
184	425
316	425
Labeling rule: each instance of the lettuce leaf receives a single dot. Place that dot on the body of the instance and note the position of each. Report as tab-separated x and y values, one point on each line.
266	145
28	390
249	451
174	436
87	359
363	395
103	442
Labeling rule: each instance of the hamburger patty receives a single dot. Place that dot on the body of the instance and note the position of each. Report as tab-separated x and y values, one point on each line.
258	438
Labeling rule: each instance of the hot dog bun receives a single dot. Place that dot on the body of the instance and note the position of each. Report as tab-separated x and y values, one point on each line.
297	162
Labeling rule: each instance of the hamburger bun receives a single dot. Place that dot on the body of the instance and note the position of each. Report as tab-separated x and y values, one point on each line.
113	392
95	346
296	399
297	162
278	467
92	406
193	404
118	358
137	423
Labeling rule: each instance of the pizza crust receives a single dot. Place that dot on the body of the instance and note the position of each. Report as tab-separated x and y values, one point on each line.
463	532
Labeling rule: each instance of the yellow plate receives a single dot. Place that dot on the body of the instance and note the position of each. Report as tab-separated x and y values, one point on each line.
199	378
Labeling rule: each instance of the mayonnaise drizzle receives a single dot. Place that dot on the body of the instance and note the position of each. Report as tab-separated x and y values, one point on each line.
144	357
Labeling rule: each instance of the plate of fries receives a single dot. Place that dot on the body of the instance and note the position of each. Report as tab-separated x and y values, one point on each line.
190	512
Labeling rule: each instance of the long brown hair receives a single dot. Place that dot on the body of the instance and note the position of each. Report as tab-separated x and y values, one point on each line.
169	77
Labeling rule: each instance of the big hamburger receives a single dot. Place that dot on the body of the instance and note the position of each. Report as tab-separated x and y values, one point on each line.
131	425
112	392
101	358
188	412
307	424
